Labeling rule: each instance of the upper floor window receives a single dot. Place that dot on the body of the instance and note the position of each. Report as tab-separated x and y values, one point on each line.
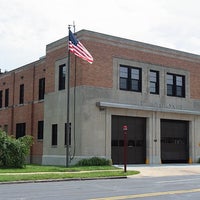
175	85
6	97
62	76
154	82
21	94
41	88
130	78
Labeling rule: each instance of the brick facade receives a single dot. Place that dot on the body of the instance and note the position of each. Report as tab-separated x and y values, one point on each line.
32	110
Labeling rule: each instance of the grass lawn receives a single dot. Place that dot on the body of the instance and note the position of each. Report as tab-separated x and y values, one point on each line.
37	172
39	168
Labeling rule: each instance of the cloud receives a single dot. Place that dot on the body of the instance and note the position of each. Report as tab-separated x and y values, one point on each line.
26	27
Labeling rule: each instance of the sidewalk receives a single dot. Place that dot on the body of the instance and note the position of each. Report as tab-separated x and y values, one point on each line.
164	170
69	172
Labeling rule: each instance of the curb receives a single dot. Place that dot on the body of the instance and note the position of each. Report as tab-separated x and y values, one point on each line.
62	180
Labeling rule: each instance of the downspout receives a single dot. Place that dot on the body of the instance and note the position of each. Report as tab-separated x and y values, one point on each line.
32	114
12	111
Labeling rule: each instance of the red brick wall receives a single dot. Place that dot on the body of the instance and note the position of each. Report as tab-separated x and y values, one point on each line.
100	72
6	82
51	58
32	110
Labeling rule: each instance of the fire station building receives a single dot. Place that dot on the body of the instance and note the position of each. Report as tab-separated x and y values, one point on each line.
155	91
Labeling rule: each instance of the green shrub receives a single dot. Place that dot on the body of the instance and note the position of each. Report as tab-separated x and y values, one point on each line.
13	151
94	161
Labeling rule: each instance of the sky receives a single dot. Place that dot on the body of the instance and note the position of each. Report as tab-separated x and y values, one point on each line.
27	26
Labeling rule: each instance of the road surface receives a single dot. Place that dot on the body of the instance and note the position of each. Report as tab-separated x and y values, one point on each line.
151	188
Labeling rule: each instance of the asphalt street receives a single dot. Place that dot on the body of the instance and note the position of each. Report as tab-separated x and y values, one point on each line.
179	187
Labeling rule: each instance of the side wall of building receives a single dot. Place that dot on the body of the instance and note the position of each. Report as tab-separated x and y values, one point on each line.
28	112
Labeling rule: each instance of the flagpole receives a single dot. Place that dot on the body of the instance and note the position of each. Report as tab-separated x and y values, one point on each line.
79	50
68	99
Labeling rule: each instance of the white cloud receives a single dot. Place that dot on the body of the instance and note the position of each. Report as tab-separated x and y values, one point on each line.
26	27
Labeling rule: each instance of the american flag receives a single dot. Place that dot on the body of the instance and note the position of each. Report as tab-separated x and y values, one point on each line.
78	49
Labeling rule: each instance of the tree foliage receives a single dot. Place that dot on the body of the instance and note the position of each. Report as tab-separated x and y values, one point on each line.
13	151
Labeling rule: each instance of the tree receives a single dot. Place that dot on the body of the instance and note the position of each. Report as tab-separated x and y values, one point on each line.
13	151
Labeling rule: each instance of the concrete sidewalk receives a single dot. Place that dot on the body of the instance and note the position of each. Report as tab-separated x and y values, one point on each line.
164	170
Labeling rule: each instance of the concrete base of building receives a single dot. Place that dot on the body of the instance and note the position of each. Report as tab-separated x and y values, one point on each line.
54	160
61	160
36	160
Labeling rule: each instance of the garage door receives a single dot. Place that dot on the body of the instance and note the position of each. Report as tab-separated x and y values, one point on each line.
136	137
174	141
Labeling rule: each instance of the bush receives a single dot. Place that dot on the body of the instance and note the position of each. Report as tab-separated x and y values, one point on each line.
13	151
94	161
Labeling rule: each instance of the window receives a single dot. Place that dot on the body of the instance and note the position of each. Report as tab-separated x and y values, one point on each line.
62	76
1	102
154	82
6	97
41	88
54	140
130	78
40	130
20	130
123	78
175	85
69	133
21	94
